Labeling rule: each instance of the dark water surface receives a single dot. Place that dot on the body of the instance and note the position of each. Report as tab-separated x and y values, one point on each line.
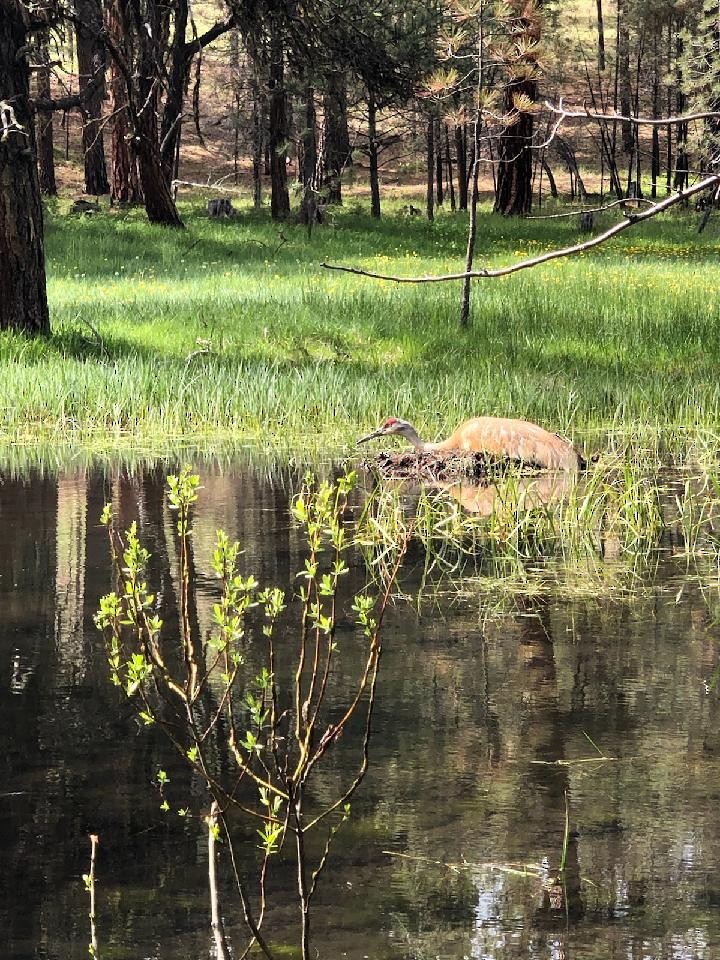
467	707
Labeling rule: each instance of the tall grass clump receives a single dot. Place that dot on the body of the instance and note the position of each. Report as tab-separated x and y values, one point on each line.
558	524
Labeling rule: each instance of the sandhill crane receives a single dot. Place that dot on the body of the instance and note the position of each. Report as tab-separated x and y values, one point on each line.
498	436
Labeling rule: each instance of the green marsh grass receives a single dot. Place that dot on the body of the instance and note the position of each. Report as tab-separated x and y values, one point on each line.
598	535
231	333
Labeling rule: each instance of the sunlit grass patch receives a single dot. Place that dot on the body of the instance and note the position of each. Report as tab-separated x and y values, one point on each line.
233	330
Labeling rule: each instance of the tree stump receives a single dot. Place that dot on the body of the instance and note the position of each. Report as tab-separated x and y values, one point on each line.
221	208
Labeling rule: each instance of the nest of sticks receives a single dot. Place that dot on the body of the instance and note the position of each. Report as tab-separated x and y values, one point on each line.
429	467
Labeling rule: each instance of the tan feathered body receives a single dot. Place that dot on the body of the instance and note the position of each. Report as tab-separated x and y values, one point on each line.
497	436
518	439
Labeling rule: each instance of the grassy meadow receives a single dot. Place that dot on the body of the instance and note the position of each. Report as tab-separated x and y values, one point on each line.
231	332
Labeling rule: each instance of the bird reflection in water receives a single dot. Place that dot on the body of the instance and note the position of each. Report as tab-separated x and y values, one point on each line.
531	491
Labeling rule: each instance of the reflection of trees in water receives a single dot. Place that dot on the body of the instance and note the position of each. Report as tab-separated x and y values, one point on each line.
461	714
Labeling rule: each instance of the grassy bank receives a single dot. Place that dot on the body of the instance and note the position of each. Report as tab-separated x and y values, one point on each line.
231	332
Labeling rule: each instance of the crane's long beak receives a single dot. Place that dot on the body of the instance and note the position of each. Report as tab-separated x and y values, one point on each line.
370	436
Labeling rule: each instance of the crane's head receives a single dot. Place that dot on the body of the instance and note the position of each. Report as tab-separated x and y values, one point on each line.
391	425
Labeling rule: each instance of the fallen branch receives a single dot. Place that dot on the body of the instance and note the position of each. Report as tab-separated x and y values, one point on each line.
630	221
577	213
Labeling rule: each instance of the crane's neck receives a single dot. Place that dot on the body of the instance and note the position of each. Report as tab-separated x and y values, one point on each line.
411	434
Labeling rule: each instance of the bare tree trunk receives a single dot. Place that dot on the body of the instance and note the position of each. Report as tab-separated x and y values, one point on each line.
600	37
513	192
438	164
448	160
175	85
461	167
669	153
159	203
336	136
430	196
23	297
551	179
125	179
309	139
258	118
237	96
472	230
514	187
91	62
624	81
373	157
45	140
655	161
279	195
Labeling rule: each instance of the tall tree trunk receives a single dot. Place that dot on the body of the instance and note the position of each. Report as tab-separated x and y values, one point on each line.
600	37
461	167
448	160
279	196
309	139
513	191
336	135
91	63
669	132
23	297
655	162
624	80
373	157
159	203
45	139
177	79
258	122
513	195
439	193
430	193
125	180
472	229
237	95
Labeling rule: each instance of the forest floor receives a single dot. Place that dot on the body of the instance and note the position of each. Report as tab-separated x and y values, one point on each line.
234	332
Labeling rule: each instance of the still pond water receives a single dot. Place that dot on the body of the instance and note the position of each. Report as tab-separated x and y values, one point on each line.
467	707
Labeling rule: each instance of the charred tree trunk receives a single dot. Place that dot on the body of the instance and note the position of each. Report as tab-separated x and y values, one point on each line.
430	195
23	297
308	207
600	37
472	228
45	138
513	189
439	192
258	124
91	64
159	203
336	135
448	161
279	196
125	180
655	161
373	158
461	167
175	84
513	196
624	79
